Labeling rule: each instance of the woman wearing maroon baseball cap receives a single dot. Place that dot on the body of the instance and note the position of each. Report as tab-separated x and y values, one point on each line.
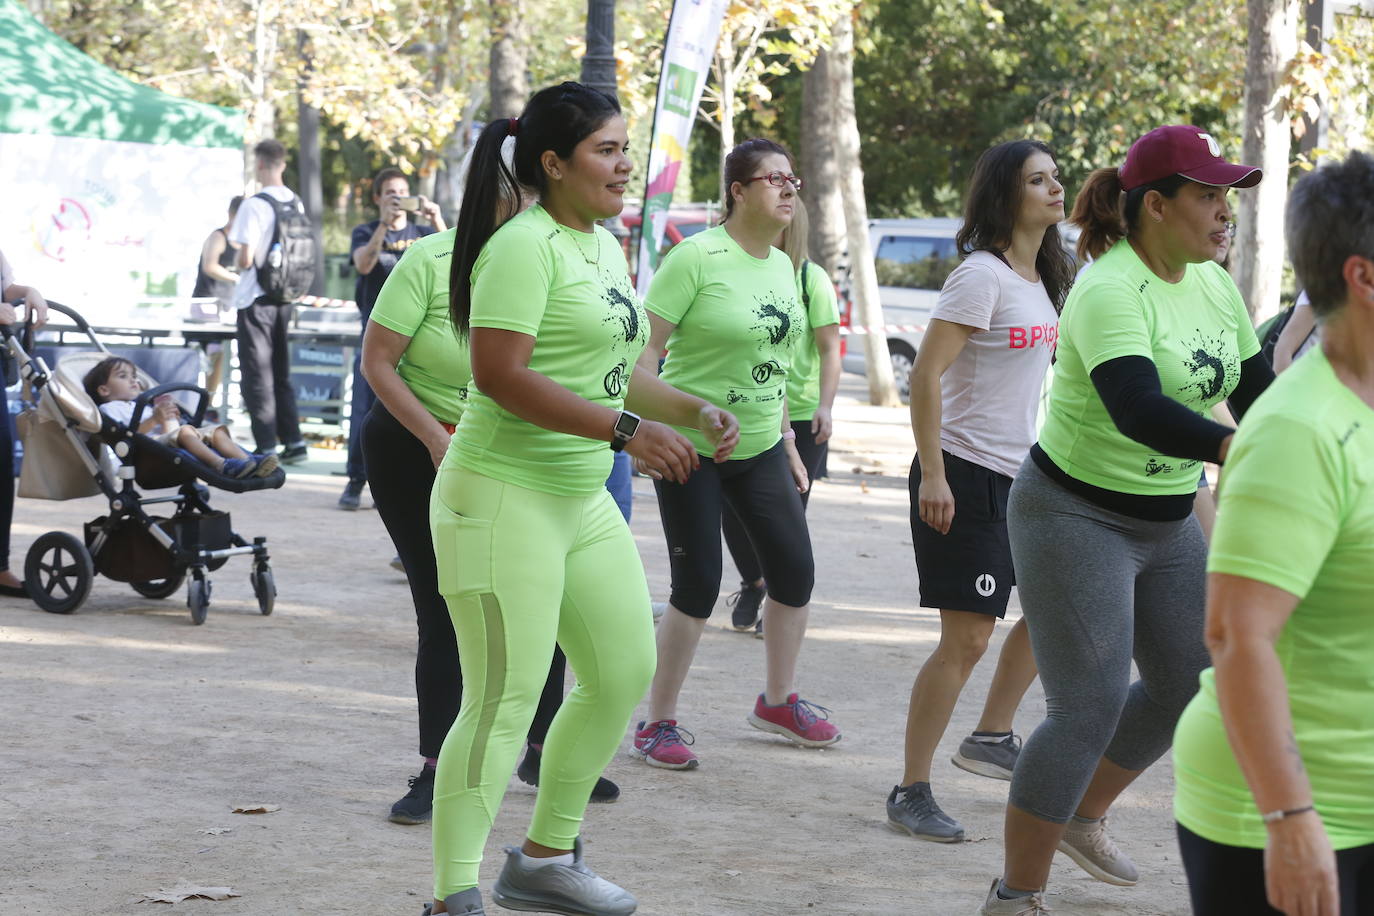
1109	557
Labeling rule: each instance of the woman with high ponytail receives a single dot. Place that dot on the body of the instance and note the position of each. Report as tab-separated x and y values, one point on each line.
1108	554
419	369
530	547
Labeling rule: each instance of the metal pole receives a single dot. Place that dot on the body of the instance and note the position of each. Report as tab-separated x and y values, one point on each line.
598	64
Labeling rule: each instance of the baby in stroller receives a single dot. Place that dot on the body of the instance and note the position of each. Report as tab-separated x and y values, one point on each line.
113	384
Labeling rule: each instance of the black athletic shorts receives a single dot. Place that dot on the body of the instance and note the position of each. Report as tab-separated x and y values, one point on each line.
968	569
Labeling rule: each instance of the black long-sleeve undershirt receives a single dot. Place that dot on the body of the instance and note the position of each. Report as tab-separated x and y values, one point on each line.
1130	390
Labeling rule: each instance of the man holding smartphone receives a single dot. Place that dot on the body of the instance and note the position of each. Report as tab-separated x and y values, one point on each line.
376	248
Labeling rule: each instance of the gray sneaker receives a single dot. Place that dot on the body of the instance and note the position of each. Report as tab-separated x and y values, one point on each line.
1034	905
463	903
912	809
573	890
995	761
1087	843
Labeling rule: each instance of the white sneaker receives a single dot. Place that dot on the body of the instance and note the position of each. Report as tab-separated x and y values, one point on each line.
1087	843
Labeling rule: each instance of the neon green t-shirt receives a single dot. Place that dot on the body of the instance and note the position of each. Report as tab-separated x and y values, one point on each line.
804	381
739	325
571	292
1196	331
414	302
1297	513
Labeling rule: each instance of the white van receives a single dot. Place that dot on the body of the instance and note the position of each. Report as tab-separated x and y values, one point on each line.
912	258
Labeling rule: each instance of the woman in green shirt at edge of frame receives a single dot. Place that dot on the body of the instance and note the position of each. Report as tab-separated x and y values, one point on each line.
531	548
1274	757
811	388
724	304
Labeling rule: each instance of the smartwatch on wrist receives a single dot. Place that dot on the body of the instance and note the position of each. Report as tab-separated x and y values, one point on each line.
625	428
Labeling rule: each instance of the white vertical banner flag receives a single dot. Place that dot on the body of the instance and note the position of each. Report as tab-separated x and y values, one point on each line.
693	32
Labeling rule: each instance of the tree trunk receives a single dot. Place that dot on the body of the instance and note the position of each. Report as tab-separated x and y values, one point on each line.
868	309
308	170
509	81
1273	41
821	165
262	113
450	190
725	63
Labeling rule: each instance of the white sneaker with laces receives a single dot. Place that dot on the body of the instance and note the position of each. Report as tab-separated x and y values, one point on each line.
1087	843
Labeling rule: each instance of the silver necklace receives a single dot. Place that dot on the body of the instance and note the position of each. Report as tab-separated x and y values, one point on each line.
580	250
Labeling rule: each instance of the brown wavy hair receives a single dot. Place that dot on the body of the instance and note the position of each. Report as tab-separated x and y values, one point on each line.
990	207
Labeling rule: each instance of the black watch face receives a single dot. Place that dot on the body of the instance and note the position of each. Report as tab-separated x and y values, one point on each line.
627	424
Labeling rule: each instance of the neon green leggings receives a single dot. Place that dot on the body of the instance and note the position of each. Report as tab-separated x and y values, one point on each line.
520	570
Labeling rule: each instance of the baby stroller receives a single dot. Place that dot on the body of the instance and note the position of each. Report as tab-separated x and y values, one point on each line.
65	437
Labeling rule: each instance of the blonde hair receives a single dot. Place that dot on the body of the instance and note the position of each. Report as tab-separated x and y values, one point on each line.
794	239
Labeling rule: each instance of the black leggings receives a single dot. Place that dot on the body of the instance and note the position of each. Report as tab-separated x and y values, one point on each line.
1224	880
401	475
6	481
761	492
813	455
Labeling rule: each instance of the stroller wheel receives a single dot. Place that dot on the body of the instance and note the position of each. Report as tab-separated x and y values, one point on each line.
263	587
58	572
198	599
160	588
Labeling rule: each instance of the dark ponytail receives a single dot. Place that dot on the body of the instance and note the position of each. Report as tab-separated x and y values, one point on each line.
557	118
1106	213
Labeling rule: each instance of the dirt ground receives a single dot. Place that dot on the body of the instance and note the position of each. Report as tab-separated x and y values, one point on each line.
129	734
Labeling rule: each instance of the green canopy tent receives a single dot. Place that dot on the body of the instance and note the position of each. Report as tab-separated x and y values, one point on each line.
111	186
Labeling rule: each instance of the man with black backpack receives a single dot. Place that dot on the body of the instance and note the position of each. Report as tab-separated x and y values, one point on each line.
276	252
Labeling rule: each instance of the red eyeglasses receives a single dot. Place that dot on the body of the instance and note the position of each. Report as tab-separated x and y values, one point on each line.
779	180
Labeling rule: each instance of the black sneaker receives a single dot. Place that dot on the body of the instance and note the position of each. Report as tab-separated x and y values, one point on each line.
294	454
352	496
417	805
528	771
746	603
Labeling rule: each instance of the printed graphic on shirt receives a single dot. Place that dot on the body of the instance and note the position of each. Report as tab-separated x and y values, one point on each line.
628	324
1211	366
626	310
1040	335
774	319
777	330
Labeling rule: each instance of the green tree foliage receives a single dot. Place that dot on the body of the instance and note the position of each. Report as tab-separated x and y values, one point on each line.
944	79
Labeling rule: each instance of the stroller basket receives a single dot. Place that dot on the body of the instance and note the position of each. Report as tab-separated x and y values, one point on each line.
130	553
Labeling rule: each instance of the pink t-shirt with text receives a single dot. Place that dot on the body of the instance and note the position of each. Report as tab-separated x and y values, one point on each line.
991	392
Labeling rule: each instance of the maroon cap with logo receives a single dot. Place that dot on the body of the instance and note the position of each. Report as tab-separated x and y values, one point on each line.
1181	149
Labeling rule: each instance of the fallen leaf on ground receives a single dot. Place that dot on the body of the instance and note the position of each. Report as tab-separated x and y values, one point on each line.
185	891
256	809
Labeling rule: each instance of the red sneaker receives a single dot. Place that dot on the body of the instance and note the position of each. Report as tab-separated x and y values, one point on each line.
796	720
664	744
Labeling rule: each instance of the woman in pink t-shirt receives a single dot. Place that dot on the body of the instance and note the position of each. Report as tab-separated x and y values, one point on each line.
975	388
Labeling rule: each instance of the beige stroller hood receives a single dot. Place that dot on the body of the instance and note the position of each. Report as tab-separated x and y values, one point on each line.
58	462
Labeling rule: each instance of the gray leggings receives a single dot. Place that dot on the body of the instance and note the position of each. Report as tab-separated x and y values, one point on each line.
1097	589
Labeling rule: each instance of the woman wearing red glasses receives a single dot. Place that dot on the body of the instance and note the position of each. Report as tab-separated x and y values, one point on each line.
724	303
